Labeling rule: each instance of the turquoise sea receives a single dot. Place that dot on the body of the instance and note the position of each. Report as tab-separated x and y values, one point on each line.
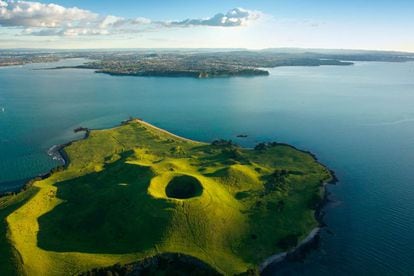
358	120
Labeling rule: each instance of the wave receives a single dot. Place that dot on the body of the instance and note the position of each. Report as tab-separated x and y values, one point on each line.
397	122
54	152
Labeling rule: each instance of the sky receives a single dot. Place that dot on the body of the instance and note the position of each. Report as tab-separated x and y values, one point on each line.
252	24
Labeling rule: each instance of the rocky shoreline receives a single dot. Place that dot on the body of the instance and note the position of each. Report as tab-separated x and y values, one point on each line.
56	152
293	253
311	240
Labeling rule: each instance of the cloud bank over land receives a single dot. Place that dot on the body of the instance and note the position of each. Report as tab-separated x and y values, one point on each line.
40	19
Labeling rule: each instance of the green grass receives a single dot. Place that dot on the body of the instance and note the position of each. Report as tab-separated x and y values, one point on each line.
111	204
10	263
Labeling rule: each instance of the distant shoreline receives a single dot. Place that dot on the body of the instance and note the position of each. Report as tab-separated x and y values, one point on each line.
198	74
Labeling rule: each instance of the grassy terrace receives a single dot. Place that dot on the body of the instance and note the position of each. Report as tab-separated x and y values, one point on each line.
136	191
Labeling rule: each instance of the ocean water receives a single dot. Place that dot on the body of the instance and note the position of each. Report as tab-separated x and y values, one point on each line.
358	120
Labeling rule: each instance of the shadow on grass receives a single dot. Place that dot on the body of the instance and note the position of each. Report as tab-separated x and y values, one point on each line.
105	212
162	264
183	187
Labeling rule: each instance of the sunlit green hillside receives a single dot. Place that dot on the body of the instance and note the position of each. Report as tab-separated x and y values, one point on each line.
136	191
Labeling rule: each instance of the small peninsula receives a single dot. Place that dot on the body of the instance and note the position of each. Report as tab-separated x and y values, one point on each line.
136	192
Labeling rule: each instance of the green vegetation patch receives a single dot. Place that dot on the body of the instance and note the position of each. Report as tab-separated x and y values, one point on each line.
135	191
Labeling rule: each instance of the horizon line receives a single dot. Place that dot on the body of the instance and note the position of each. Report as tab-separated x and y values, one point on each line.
211	48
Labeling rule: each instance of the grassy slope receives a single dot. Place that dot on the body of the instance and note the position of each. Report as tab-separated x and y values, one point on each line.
9	255
110	204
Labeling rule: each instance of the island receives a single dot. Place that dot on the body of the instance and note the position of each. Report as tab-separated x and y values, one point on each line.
138	198
197	63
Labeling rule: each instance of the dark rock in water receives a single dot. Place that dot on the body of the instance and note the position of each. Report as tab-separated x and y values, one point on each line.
79	129
242	136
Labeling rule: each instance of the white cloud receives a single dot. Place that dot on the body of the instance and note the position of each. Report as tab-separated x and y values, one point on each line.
233	18
39	19
65	32
84	31
110	20
35	14
117	22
